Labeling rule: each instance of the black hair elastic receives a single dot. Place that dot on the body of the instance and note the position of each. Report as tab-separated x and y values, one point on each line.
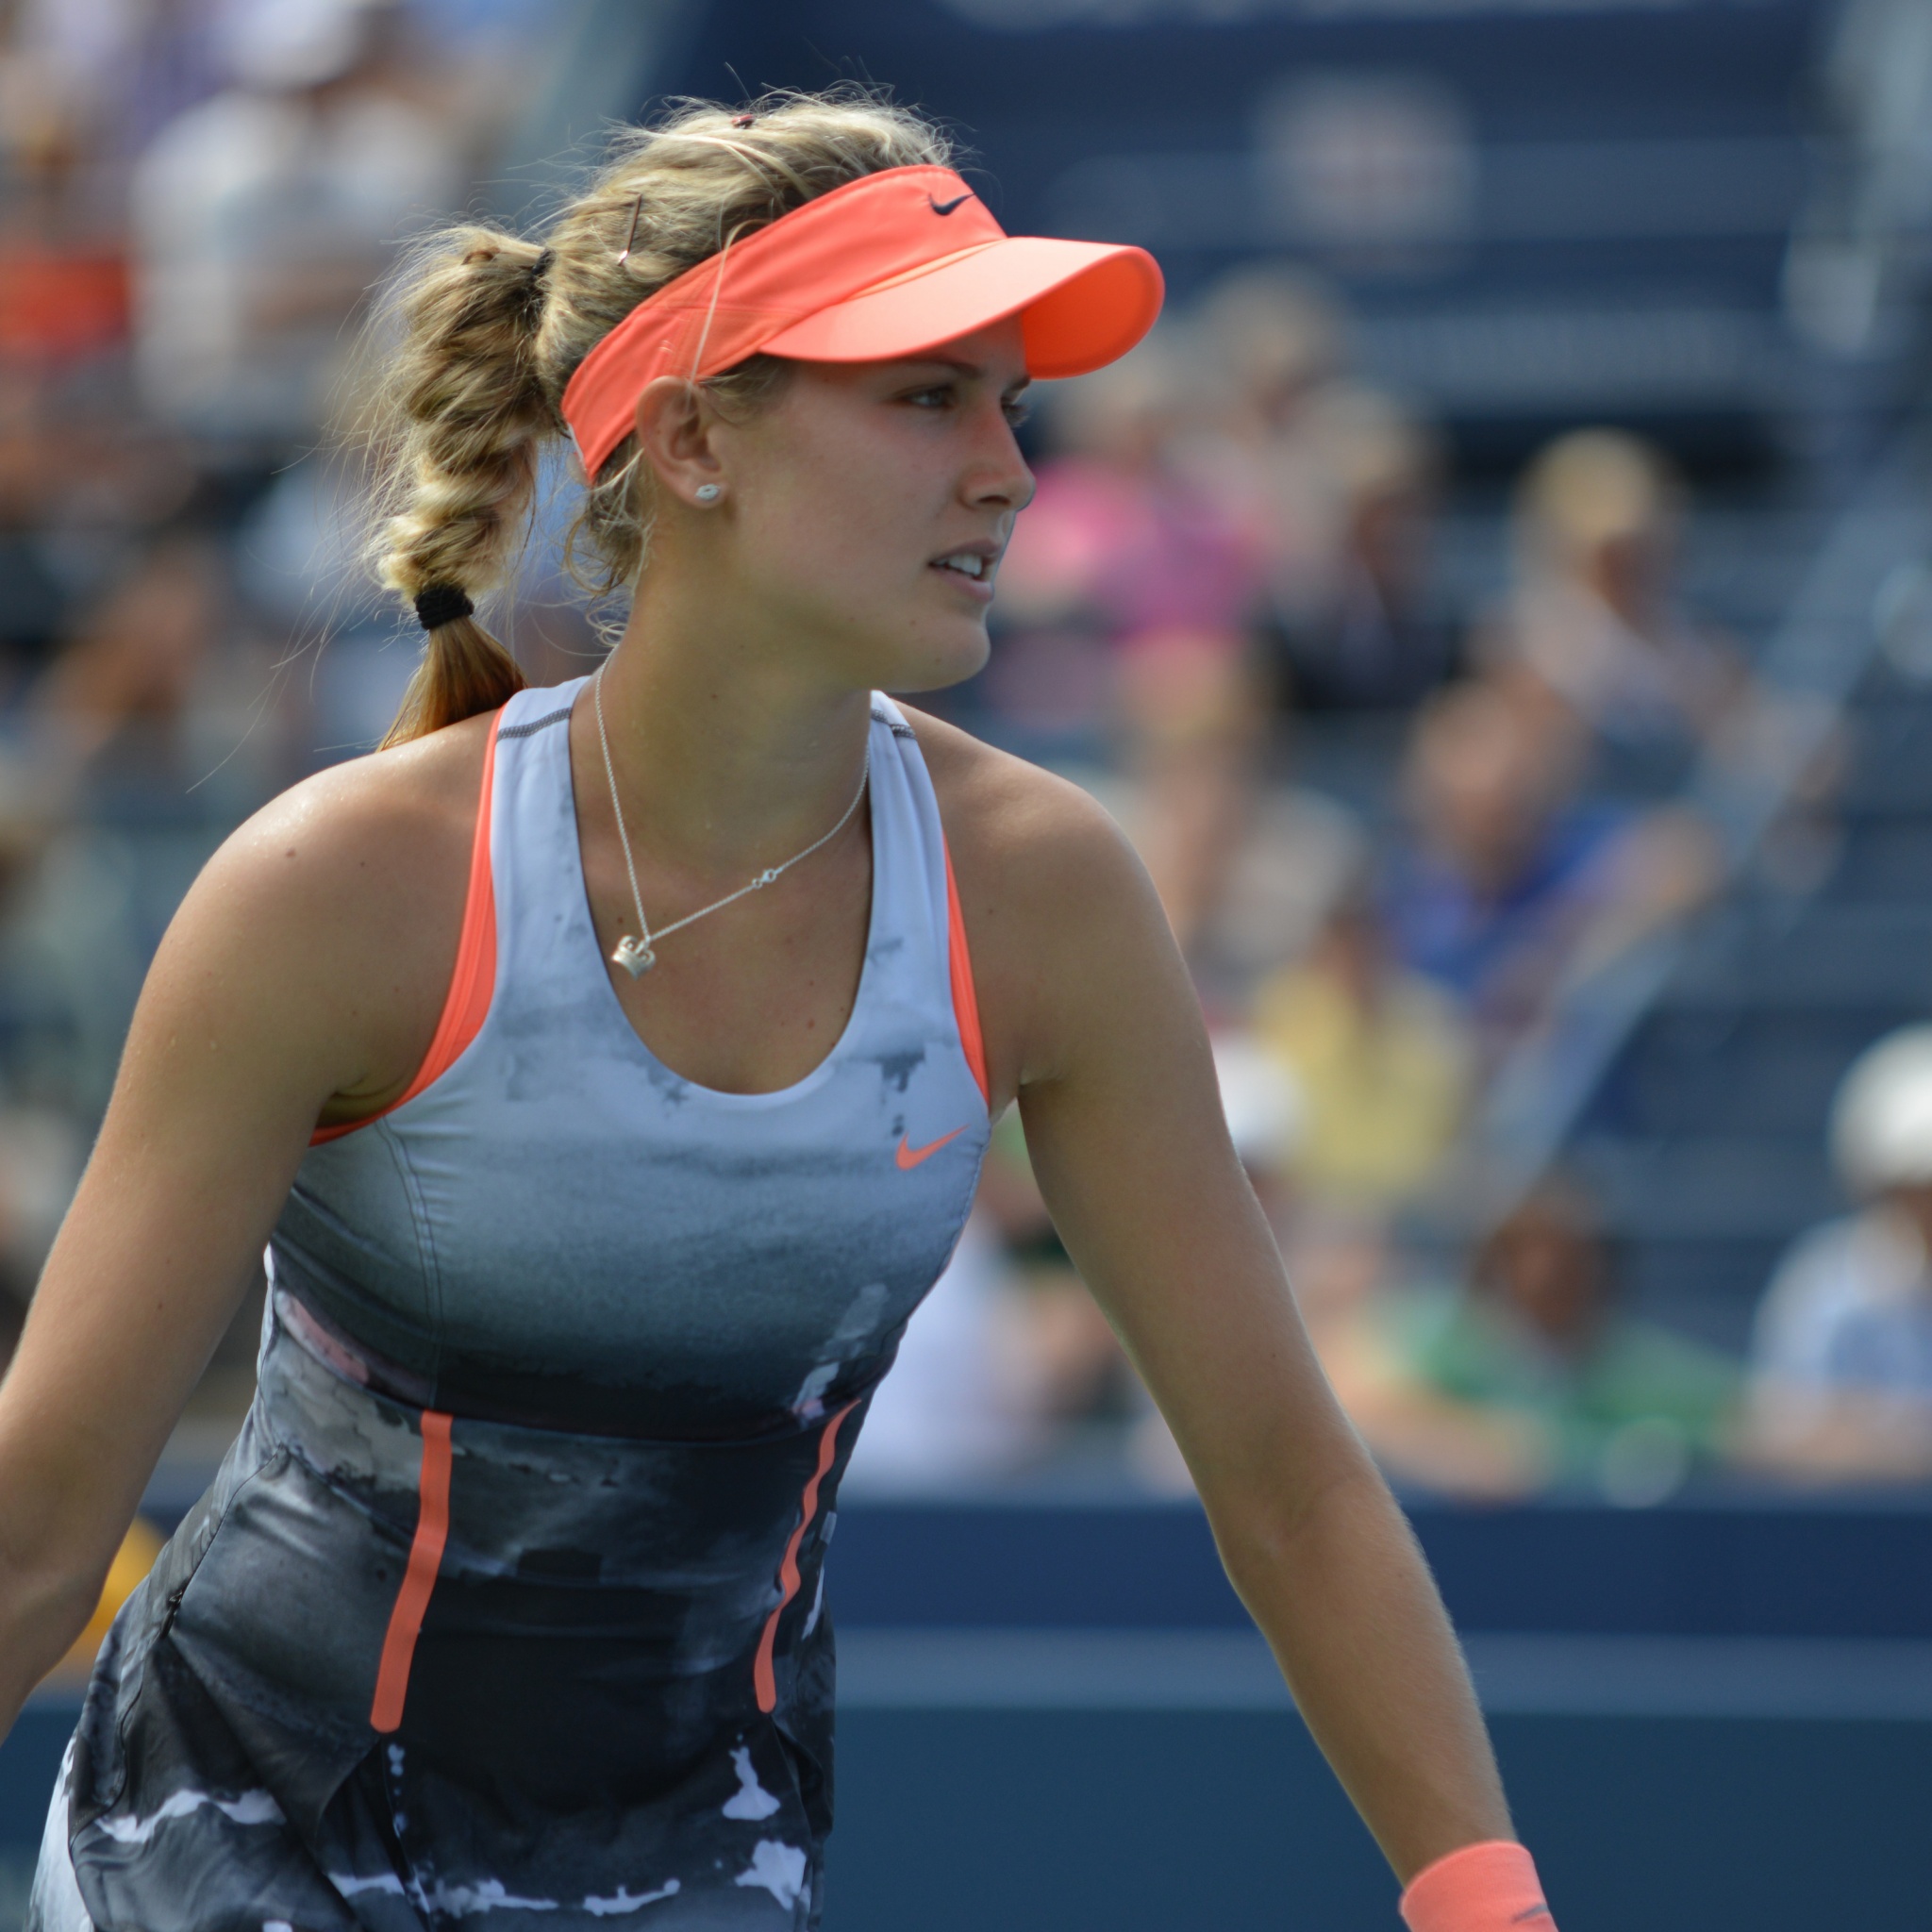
440	604
540	267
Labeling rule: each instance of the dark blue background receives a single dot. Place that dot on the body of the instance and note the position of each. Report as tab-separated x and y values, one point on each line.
1034	105
1724	1569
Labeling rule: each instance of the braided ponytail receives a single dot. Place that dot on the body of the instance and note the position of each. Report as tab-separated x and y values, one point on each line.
493	327
458	432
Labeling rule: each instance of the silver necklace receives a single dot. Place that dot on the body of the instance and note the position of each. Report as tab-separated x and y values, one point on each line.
638	955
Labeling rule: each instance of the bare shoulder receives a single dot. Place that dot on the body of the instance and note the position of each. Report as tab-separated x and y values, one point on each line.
1015	828
384	817
335	911
1059	909
387	832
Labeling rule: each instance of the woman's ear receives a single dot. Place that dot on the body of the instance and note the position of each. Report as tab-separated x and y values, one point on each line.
676	438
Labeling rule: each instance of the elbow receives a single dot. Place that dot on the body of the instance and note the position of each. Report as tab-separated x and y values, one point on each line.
46	1610
1262	1527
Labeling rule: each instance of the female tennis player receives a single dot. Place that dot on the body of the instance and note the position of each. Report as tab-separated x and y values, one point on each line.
606	1069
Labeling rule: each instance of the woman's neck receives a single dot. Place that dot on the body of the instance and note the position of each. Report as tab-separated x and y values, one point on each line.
730	748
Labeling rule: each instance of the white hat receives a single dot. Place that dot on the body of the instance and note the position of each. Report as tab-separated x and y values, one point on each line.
1881	1120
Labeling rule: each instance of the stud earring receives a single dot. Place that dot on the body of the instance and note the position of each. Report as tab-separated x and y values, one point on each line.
709	493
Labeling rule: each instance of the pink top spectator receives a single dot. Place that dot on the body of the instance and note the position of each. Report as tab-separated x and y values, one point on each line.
1149	553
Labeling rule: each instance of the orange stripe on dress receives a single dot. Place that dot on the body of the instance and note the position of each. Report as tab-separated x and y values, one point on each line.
419	1576
762	1676
965	1000
473	984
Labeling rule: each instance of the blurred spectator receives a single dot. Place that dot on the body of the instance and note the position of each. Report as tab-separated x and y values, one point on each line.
1277	338
1128	591
1841	1352
123	680
33	594
1068	1396
962	1406
1295	853
1194	732
1857	273
1121	548
1509	881
1338	483
1372	638
63	269
153	736
1343	1269
1070	1378
1382	1062
64	273
93	79
1530	1374
1594	613
262	216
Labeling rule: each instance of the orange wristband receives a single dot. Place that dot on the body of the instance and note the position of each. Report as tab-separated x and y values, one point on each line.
1485	1887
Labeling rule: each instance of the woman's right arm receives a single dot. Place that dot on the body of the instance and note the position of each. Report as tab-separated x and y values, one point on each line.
307	961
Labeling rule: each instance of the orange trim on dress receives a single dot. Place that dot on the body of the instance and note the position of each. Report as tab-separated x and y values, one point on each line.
473	984
419	1577
762	1676
965	999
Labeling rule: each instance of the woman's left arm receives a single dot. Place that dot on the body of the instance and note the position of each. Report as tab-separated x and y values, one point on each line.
1123	1122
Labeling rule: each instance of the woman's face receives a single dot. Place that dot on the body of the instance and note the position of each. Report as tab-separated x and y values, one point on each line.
869	503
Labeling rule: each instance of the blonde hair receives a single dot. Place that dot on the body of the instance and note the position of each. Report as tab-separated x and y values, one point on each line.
1595	487
1279	329
492	326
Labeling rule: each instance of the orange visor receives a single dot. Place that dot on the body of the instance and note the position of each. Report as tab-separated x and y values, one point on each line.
885	266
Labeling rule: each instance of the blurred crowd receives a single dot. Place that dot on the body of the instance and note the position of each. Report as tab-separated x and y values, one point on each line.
1395	836
1393	833
196	197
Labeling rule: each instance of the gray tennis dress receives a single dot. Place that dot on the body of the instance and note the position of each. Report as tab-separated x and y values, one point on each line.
507	1604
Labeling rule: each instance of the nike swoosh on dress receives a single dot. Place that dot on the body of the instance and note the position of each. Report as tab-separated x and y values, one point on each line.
909	1158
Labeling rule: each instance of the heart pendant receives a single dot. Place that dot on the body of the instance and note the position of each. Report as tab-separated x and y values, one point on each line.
634	955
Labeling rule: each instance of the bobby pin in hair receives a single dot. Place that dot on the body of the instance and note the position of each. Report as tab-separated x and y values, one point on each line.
637	208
